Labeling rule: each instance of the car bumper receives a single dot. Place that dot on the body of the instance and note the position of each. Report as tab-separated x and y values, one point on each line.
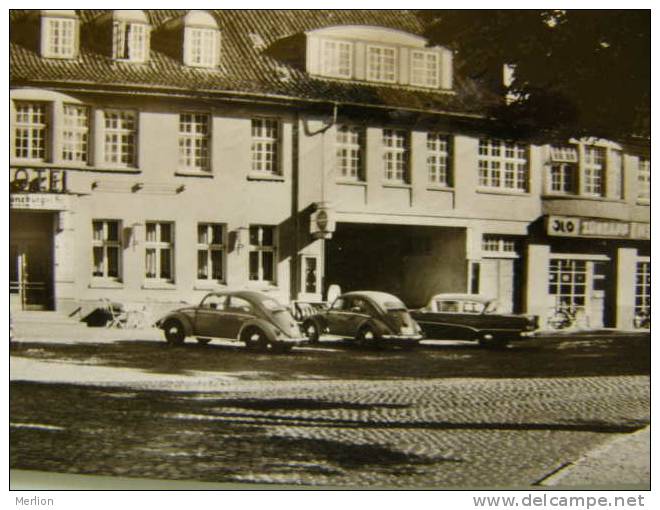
291	341
402	339
527	334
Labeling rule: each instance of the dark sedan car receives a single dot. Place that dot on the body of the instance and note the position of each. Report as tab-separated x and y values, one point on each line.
471	317
371	318
253	318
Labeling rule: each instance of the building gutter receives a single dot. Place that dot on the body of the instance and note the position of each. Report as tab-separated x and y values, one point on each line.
237	96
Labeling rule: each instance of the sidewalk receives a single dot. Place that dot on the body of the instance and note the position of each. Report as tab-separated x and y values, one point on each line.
624	460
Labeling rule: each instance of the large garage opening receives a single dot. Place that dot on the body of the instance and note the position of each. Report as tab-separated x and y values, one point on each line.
409	261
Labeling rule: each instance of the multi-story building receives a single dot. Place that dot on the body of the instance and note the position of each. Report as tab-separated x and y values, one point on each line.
156	155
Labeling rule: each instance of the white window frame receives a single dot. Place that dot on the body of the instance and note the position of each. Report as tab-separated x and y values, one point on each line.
157	246
644	179
503	166
260	248
563	171
499	246
135	47
265	148
194	142
27	124
593	170
349	152
331	58
566	271
643	287
202	47
209	248
75	133
59	37
123	138
377	69
421	74
105	244
396	156
438	159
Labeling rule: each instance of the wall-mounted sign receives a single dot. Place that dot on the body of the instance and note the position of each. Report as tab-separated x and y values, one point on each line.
43	201
322	221
37	180
571	226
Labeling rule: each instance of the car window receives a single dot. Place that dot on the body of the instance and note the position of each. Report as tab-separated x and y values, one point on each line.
214	302
272	305
338	304
394	305
240	305
359	306
473	307
447	306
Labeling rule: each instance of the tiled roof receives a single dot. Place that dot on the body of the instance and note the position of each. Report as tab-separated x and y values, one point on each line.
244	69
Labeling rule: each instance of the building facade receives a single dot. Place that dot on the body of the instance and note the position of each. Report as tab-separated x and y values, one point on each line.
158	155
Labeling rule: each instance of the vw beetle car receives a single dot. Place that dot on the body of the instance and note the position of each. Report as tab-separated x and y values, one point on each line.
472	317
250	317
370	317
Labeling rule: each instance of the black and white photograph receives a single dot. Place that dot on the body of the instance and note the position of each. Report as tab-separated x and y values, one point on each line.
331	249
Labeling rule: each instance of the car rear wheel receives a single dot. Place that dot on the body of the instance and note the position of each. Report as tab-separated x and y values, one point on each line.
366	337
493	343
255	340
203	341
311	331
174	332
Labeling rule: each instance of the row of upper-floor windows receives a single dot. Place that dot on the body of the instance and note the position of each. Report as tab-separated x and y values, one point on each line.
577	169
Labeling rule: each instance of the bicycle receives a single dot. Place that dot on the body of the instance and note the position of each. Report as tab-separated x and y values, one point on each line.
642	319
564	316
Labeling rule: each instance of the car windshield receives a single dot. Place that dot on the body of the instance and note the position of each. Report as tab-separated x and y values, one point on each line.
272	306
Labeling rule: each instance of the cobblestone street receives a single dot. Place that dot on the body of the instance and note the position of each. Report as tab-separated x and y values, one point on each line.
243	426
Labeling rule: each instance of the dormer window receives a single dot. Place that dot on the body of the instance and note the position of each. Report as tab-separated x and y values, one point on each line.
201	40
59	34
381	64
338	58
425	69
130	34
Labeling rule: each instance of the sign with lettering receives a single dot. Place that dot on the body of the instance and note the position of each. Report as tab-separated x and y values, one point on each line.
37	180
569	226
322	221
43	201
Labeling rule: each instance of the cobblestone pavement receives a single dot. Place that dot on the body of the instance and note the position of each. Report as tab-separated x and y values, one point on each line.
461	432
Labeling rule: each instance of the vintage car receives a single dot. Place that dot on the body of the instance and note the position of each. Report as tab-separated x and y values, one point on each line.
472	317
255	319
371	318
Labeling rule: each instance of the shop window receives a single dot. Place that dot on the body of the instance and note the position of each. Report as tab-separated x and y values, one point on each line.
159	245
381	64
194	142
310	275
210	252
106	249
265	146
120	137
568	283
437	159
262	253
643	288
31	131
131	41
396	156
349	145
599	275
59	37
594	170
425	69
337	59
644	179
502	165
75	133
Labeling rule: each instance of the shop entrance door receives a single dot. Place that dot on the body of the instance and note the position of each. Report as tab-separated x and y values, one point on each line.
31	264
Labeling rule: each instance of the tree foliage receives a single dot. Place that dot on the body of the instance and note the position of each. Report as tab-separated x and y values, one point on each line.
578	73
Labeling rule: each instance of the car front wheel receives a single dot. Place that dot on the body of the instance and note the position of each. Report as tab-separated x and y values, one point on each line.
311	331
174	332
366	337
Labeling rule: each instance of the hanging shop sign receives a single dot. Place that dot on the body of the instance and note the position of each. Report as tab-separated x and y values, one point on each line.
322	221
571	226
37	180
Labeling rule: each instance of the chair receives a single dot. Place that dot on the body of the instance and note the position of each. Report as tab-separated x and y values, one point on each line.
117	316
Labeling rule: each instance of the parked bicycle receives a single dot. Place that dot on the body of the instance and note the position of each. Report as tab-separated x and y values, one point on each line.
642	319
564	316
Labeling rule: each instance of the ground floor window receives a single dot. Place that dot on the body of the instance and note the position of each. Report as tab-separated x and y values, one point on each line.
159	246
262	253
106	248
643	288
568	283
210	251
310	275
